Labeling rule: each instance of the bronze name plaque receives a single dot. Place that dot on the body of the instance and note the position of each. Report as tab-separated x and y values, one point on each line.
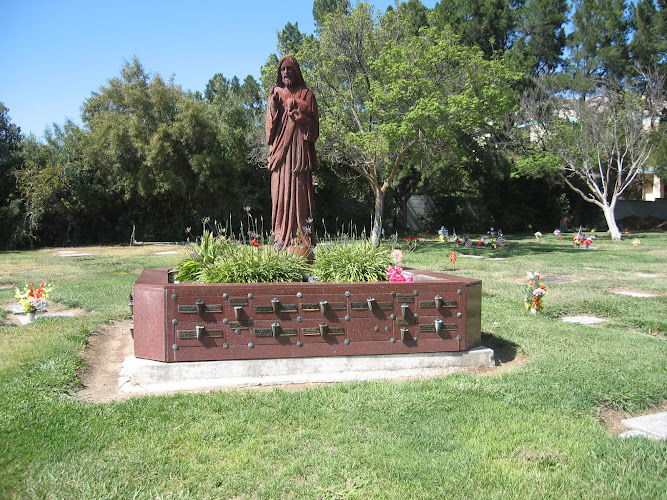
315	306
192	308
267	332
330	330
237	325
281	308
429	327
405	298
192	334
240	301
363	306
430	304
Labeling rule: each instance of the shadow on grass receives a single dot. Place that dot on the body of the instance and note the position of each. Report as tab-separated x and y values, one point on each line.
504	350
513	249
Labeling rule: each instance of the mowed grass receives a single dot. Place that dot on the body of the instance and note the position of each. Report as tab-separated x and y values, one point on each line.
525	431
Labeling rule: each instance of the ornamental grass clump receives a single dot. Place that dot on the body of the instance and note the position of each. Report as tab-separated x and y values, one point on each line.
351	262
203	255
250	264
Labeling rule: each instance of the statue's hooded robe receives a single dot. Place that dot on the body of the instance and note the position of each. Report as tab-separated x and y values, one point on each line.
292	160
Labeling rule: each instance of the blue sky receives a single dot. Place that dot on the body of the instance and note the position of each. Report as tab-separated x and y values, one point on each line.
57	52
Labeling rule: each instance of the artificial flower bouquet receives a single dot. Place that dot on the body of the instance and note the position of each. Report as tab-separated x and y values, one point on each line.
34	300
535	291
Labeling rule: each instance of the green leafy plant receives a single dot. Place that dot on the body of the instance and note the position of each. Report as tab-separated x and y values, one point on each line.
203	255
350	262
250	264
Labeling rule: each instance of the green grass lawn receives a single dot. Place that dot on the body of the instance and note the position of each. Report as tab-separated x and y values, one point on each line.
525	431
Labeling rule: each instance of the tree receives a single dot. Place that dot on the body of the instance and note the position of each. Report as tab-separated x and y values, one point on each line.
487	24
321	8
598	43
409	17
168	155
648	51
10	163
10	146
541	35
596	145
290	38
65	199
648	47
388	102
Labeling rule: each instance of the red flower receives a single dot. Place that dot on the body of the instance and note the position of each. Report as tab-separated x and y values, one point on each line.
480	243
254	242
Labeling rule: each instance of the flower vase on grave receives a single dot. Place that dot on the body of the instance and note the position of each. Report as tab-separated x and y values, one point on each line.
31	316
533	310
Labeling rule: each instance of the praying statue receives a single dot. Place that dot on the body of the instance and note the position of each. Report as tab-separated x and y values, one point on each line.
292	127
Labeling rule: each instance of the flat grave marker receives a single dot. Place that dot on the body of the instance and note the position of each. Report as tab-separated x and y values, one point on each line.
583	320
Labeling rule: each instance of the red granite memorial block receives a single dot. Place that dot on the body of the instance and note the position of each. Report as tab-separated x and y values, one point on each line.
197	322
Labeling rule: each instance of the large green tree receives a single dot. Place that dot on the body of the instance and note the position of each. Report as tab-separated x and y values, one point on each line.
487	24
168	155
388	102
599	42
540	35
10	163
65	198
597	145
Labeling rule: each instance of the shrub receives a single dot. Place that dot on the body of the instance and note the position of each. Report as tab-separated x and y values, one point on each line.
350	262
203	255
249	264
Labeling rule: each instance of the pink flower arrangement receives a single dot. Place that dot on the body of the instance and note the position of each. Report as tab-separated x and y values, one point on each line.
396	274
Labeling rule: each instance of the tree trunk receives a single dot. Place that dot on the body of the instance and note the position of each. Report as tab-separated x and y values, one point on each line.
402	193
610	217
376	231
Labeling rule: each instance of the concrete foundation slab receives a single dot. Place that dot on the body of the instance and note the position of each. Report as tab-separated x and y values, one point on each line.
141	375
654	425
634	434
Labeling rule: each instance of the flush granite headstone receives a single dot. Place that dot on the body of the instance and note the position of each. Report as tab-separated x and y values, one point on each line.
71	253
635	294
24	319
583	320
548	279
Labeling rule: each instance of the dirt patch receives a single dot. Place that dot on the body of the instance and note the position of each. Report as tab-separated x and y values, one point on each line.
104	356
612	417
506	357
